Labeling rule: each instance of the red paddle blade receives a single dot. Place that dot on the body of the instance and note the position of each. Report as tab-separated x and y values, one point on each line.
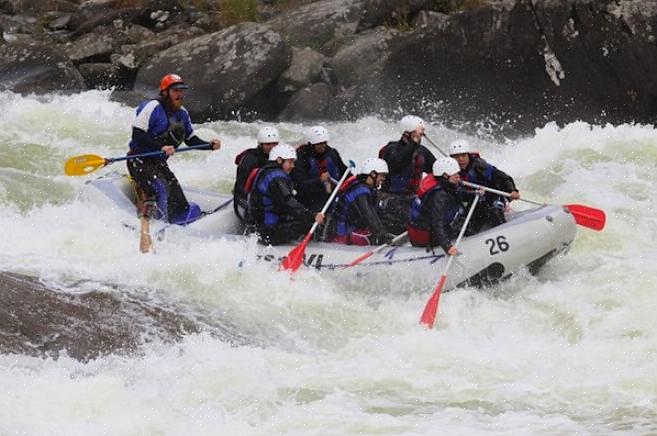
294	258
431	309
588	216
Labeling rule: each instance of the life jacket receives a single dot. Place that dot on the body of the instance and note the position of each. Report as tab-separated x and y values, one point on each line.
248	184
317	167
351	189
471	174
262	180
175	133
243	153
407	180
420	232
240	156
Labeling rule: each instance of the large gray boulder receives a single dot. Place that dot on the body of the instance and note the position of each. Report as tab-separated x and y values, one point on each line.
305	69
26	68
320	25
228	68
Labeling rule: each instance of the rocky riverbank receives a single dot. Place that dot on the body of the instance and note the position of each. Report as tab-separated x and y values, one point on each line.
512	63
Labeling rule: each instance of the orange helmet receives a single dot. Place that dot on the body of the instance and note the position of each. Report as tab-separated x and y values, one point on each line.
172	80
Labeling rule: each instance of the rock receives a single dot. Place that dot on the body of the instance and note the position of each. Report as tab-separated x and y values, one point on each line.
36	7
512	63
320	25
363	59
37	68
309	103
91	46
103	75
305	68
136	34
161	14
389	12
44	321
224	69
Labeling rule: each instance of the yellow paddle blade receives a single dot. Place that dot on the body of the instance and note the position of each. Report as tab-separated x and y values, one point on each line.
83	164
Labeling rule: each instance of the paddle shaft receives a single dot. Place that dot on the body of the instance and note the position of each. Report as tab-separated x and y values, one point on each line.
156	153
377	249
435	146
495	191
431	309
331	197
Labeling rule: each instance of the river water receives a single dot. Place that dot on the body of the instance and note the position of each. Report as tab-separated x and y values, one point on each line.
570	351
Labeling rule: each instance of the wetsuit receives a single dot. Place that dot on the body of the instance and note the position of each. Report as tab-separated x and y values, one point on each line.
407	160
490	210
277	215
355	214
161	194
313	193
435	214
246	162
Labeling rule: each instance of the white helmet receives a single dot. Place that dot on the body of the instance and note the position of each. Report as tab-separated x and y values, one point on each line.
374	164
267	135
460	146
410	123
318	134
445	165
283	151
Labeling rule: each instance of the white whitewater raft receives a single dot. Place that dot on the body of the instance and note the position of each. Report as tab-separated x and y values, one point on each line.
527	241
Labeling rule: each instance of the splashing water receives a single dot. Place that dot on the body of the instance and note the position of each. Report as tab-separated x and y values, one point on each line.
571	350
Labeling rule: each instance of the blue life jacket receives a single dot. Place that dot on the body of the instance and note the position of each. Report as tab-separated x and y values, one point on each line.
262	181
318	166
351	189
472	176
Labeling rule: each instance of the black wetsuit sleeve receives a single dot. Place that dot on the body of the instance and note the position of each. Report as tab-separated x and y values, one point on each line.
342	167
429	159
286	204
144	140
248	162
367	216
503	181
398	156
440	232
499	179
195	140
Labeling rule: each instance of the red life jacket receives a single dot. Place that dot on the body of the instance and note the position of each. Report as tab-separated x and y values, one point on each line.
347	183
248	185
240	156
417	236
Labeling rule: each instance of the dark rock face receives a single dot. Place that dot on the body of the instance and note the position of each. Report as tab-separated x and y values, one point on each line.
224	69
40	321
37	68
527	62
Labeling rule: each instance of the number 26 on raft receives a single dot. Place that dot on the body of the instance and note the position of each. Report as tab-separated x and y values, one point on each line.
497	245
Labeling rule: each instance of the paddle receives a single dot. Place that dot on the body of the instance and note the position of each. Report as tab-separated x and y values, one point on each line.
377	249
434	145
88	163
585	216
431	309
295	256
145	241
